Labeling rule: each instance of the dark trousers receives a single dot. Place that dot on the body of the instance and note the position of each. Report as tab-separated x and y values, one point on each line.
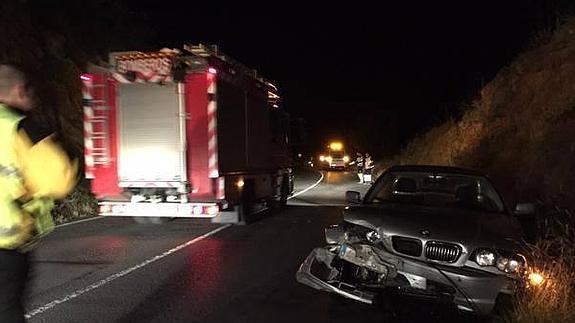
14	268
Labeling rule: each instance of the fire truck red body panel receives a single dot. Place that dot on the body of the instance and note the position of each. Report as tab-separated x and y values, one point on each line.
105	175
197	135
232	133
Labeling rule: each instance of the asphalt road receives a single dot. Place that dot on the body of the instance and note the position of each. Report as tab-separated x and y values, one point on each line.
114	270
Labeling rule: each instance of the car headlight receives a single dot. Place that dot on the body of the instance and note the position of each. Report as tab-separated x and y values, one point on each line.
346	159
485	258
502	263
328	159
509	264
512	265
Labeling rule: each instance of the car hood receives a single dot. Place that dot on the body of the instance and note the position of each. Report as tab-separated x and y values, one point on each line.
469	228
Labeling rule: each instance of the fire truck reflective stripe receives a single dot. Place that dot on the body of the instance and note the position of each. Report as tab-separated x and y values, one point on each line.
120	78
212	128
88	130
212	124
211	107
212	86
212	143
221	188
212	162
143	78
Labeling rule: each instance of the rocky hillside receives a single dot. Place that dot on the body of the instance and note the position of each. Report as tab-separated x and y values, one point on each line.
520	128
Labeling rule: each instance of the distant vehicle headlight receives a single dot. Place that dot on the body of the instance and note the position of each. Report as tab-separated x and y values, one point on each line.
322	158
328	159
346	159
485	258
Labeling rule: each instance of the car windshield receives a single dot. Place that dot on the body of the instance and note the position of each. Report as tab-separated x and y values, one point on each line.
437	190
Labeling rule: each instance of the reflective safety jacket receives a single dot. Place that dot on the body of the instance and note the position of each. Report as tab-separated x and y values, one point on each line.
34	171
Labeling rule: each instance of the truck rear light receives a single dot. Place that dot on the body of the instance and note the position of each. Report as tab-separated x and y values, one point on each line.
86	77
212	70
212	210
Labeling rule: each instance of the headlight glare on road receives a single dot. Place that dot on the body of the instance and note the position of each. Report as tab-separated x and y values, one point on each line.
485	258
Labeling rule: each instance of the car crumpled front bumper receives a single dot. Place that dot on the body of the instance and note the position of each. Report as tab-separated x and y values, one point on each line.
474	290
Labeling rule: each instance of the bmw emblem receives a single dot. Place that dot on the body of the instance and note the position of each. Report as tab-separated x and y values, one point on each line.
425	233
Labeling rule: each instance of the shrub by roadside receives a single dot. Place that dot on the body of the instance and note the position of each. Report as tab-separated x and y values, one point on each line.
520	130
552	256
79	204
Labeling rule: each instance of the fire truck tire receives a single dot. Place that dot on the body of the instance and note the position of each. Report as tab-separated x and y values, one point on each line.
284	190
246	206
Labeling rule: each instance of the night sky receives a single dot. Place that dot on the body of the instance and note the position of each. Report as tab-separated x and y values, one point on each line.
372	75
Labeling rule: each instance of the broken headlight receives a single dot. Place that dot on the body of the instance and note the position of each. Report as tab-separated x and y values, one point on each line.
358	233
372	236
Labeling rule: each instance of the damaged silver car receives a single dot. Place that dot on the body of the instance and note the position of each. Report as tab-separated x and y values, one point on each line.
438	233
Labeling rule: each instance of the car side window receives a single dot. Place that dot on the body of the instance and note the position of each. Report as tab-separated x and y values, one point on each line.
385	191
489	197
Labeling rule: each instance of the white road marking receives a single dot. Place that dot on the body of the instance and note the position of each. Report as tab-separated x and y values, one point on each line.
307	189
79	292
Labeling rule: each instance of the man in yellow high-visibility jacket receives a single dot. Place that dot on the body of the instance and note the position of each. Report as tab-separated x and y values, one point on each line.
34	171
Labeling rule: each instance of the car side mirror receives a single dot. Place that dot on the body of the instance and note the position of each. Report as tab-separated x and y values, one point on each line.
524	209
353	197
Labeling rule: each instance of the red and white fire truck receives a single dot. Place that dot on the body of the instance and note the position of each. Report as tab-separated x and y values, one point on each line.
184	133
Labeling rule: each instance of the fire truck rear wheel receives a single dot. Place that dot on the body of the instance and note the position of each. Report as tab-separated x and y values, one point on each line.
284	190
246	206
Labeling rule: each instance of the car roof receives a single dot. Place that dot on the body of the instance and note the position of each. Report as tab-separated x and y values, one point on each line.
434	169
